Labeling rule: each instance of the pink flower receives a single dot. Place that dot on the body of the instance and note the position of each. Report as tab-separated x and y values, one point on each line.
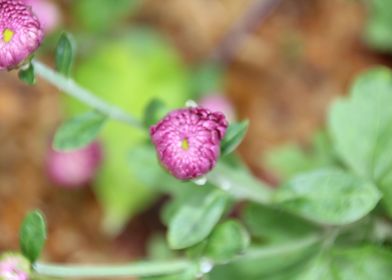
188	141
20	33
47	12
74	169
14	266
218	103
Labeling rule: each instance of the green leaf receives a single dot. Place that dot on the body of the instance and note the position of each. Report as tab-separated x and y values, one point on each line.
27	75
154	111
234	136
267	223
378	31
363	263
319	268
278	261
360	127
79	131
64	54
328	196
195	220
288	160
32	235
226	241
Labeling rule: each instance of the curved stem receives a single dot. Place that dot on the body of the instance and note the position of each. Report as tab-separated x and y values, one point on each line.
138	269
71	88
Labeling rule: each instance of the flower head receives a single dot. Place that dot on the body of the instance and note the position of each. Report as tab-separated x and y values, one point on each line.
73	169
188	141
14	266
20	33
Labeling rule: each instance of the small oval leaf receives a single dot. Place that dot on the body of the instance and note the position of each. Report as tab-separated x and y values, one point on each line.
27	75
328	196
64	54
234	136
154	111
226	241
195	220
79	131
32	235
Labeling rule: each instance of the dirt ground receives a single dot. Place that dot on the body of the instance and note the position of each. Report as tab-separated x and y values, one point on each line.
282	76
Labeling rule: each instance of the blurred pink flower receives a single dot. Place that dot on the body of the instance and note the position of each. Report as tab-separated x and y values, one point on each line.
14	266
188	141
218	103
47	12
20	33
73	169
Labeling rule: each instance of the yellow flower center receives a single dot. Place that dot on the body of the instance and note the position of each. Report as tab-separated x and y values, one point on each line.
185	144
7	35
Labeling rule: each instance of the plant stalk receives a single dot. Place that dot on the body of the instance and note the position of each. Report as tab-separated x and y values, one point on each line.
70	87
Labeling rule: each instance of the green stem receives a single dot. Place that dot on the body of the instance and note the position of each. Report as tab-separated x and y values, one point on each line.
68	86
139	269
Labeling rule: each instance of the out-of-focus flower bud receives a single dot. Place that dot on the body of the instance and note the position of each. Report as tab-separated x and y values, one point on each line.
188	141
47	12
218	103
14	266
74	169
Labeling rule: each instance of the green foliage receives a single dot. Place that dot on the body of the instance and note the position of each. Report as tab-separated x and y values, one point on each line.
79	131
234	136
27	75
289	160
155	110
98	15
129	73
328	196
273	225
360	127
64	54
226	241
195	219
32	235
378	32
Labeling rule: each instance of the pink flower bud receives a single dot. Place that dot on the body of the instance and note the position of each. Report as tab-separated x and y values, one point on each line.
218	103
73	169
14	266
20	33
47	12
188	141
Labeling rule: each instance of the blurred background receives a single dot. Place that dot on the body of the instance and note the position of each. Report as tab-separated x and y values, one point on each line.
278	63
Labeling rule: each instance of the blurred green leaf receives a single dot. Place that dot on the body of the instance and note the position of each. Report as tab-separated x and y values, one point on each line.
196	218
363	263
360	127
273	262
158	249
234	136
64	54
274	225
102	15
328	196
32	235
206	78
128	72
27	75
79	131
227	240
378	31
289	160
154	111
